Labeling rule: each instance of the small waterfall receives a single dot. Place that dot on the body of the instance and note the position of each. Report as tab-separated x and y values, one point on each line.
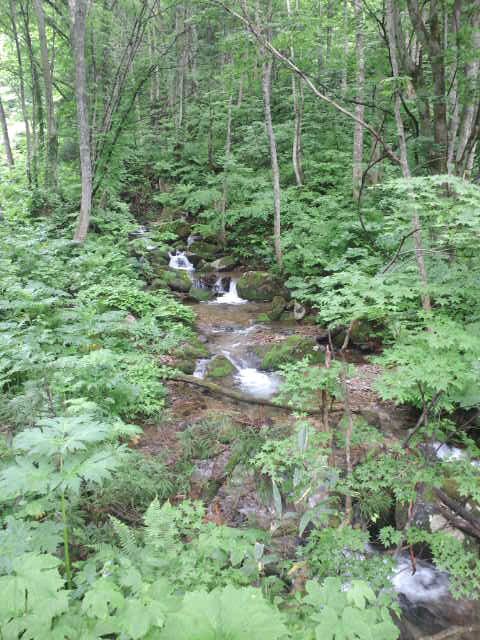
191	239
258	384
425	585
231	296
179	260
201	368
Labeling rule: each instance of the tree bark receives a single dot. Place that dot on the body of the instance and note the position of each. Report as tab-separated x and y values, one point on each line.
359	108
38	137
78	16
51	177
230	393
28	137
266	88
297	95
226	169
344	83
416	223
6	137
432	42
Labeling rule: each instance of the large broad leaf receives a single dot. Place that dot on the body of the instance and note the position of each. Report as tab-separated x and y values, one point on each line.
225	614
33	595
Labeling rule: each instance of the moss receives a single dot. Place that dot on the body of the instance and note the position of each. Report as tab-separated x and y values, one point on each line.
291	349
258	286
188	354
220	367
200	295
227	263
176	280
205	250
278	307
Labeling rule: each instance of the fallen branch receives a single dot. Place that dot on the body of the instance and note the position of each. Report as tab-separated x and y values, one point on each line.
231	393
453	632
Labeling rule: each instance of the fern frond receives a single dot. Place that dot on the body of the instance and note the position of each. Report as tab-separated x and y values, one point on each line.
161	533
126	537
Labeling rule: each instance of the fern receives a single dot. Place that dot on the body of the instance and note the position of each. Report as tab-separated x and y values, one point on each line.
160	533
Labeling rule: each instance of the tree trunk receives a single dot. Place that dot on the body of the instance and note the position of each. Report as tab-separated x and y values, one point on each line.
78	15
6	137
359	108
38	137
28	137
297	95
226	169
471	75
344	83
416	223
267	87
51	177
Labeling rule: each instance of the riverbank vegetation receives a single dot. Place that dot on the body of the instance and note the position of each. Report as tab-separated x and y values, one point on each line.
318	162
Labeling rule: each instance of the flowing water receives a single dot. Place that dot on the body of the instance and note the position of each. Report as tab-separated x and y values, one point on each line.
231	328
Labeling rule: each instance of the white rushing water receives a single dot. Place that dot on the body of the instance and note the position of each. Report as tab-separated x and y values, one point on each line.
258	384
179	260
231	296
425	585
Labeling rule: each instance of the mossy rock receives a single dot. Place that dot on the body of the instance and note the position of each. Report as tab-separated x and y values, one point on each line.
220	367
176	280
188	354
199	294
278	307
194	258
291	349
159	257
204	250
227	263
182	229
258	286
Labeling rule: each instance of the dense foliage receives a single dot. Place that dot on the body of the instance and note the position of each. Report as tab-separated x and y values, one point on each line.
333	145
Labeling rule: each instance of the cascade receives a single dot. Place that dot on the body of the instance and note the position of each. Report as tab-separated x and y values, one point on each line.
231	296
179	260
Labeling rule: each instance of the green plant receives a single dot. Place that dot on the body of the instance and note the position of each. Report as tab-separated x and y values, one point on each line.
228	613
56	460
349	612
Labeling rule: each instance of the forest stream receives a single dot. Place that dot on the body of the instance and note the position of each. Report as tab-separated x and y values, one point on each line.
230	328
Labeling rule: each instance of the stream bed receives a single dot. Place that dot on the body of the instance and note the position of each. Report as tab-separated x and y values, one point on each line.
230	327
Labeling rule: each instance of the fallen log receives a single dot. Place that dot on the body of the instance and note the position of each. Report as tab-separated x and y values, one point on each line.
231	393
453	633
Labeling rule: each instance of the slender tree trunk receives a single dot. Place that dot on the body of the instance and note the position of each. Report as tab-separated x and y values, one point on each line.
344	84
297	95
226	169
359	108
28	137
6	137
38	124
51	177
416	223
267	88
78	14
181	64
471	75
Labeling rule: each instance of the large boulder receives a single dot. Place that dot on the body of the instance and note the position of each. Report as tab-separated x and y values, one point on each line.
290	349
200	294
205	250
188	353
219	368
182	229
176	280
278	307
159	258
258	286
227	263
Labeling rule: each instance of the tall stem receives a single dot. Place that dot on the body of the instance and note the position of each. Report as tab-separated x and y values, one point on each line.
66	542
